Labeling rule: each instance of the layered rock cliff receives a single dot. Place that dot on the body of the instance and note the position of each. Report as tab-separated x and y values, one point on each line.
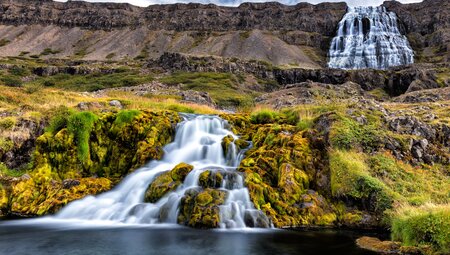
284	35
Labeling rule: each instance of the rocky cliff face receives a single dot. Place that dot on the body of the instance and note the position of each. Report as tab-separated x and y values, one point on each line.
321	18
284	35
427	25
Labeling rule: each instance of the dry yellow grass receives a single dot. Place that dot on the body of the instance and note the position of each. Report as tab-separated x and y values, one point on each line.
18	101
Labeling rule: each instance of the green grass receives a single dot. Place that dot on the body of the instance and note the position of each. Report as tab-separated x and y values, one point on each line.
19	71
416	186
426	225
93	82
350	177
59	119
222	87
264	116
346	133
11	81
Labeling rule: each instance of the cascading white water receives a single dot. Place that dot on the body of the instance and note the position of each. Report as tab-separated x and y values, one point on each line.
368	37
197	142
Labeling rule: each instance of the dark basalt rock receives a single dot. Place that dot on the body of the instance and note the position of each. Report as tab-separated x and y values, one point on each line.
321	18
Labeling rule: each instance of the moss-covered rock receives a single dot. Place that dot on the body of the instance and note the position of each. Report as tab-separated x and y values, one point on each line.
200	208
166	182
41	194
109	145
210	179
278	172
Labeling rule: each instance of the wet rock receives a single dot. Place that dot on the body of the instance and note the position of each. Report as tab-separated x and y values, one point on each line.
376	245
200	208
256	219
197	97
67	184
166	182
116	103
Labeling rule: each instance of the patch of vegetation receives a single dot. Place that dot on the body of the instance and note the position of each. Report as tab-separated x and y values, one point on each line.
11	81
347	133
222	87
125	117
110	55
19	71
80	53
417	186
96	81
350	177
59	119
143	54
5	171
245	35
23	53
7	123
4	42
80	125
264	116
49	51
426	225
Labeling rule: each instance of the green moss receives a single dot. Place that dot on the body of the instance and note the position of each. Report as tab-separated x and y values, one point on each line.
423	226
80	125
200	208
125	117
42	194
105	146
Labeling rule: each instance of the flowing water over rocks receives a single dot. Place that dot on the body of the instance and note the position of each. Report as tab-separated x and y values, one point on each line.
369	37
198	142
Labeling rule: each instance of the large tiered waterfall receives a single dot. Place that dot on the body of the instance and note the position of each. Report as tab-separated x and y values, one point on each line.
368	37
197	142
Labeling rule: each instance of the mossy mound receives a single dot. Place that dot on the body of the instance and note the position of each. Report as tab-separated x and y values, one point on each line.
166	182
200	208
108	145
279	169
42	194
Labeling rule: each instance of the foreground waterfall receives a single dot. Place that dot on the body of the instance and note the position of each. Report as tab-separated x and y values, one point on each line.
198	142
368	37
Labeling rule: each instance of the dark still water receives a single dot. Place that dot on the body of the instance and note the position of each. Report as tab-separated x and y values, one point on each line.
71	239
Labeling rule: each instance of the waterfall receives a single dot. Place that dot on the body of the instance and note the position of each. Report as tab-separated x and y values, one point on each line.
198	142
368	37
